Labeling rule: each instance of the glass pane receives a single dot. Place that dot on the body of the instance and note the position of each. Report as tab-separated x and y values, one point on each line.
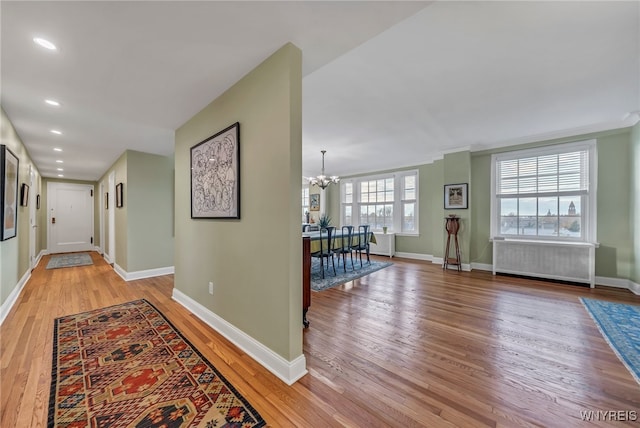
509	216
410	182
527	184
508	186
364	187
388	184
388	196
548	216
527	216
527	166
348	219
408	220
348	198
570	216
409	194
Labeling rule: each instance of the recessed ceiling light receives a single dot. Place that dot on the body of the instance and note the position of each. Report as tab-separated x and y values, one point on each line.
55	131
57	149
59	161
45	43
59	169
60	175
52	103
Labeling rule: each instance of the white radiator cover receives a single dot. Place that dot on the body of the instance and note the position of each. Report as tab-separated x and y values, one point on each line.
565	261
385	244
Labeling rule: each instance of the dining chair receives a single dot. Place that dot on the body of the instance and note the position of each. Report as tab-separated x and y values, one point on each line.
327	238
345	247
362	242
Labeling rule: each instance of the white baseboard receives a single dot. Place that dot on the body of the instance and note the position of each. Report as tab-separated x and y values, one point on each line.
634	287
482	266
612	282
149	273
415	256
288	371
13	296
429	258
39	257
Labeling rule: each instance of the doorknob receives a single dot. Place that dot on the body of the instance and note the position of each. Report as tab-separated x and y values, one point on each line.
53	220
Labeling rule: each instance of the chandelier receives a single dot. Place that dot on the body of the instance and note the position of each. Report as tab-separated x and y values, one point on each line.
322	181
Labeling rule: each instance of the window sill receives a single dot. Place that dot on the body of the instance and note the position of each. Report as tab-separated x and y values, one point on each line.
546	242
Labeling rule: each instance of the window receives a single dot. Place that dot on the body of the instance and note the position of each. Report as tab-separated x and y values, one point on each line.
305	203
383	201
545	193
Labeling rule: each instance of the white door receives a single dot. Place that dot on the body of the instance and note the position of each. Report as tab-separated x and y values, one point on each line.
70	219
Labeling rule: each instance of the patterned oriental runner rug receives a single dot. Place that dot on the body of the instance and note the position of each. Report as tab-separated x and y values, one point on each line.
128	366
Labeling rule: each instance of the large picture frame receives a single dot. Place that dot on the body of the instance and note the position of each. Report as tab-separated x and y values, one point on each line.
456	196
9	167
215	175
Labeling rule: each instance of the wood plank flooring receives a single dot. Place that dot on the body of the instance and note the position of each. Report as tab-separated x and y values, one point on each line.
408	346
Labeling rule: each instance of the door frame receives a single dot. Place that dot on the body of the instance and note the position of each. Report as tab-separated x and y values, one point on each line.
33	218
50	186
111	218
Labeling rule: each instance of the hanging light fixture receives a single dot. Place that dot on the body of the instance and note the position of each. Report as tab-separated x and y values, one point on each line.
322	181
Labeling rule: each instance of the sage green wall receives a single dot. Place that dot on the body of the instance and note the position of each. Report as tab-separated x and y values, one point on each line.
148	205
255	262
121	215
618	184
14	252
144	224
634	191
614	257
457	169
481	249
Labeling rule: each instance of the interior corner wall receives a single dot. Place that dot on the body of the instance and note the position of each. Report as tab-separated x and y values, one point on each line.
14	252
634	191
119	168
254	262
148	201
457	170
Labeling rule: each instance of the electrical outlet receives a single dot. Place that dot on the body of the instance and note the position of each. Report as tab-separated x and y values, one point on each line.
210	287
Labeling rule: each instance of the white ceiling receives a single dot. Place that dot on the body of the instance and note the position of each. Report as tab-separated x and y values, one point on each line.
386	84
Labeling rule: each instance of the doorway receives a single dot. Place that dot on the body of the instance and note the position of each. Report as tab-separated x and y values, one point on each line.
70	217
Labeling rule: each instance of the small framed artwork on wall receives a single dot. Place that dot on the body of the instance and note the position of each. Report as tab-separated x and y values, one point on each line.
455	196
24	195
314	202
119	200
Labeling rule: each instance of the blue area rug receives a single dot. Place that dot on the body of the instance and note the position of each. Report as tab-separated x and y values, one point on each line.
620	326
69	260
331	280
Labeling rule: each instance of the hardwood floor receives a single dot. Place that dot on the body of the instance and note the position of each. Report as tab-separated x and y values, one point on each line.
407	346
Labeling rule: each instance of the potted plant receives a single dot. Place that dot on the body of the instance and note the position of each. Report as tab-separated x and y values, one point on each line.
324	221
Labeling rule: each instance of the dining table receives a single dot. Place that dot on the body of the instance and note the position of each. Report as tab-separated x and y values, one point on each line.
310	245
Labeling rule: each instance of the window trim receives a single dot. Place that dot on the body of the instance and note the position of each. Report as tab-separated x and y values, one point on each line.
398	177
589	209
